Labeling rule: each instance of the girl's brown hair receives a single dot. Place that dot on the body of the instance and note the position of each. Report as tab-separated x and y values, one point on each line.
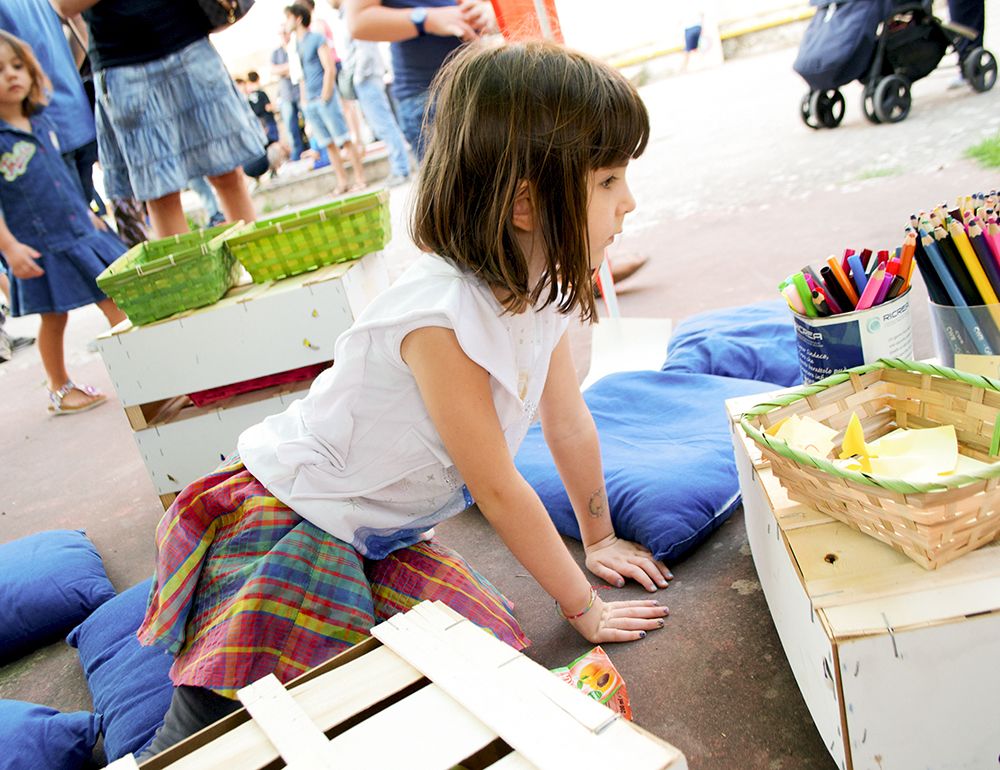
528	112
37	96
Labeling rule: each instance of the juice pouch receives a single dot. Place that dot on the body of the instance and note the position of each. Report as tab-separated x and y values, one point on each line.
595	675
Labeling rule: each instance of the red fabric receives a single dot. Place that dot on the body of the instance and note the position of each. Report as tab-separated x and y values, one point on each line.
211	395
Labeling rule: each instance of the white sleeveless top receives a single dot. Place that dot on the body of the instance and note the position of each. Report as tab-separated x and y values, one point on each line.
359	456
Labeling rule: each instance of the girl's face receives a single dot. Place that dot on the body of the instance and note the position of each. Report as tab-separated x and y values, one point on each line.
610	200
15	80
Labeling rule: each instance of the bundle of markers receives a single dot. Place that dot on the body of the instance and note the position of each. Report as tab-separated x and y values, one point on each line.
958	254
856	281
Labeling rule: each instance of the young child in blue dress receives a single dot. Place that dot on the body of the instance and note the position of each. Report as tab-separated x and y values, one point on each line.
53	244
323	523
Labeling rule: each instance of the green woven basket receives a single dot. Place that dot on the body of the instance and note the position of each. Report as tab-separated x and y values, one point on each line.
155	279
932	523
287	245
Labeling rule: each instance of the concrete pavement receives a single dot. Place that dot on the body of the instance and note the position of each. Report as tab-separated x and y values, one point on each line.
734	193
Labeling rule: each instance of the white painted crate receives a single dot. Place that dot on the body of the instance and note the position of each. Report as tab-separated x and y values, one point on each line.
896	664
254	331
428	692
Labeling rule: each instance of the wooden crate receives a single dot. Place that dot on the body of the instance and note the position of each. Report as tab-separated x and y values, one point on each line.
254	331
896	664
429	691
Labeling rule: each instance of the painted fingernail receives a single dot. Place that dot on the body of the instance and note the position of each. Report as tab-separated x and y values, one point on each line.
660	622
620	583
666	610
642	634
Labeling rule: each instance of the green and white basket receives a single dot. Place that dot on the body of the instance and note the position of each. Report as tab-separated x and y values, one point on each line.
156	279
287	245
931	523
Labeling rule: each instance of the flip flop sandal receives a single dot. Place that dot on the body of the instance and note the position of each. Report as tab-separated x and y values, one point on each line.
57	396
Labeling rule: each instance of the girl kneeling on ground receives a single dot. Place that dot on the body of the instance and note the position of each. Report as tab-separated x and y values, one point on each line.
320	528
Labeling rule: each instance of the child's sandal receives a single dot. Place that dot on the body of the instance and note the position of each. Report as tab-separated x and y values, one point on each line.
96	398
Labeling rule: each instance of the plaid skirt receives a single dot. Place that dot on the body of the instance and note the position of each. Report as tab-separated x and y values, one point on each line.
245	587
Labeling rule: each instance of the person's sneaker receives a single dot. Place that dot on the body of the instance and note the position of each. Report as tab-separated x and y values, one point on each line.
395	180
217	219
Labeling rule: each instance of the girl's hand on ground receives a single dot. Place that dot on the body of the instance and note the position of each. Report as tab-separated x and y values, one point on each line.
21	258
620	621
614	560
99	223
449	21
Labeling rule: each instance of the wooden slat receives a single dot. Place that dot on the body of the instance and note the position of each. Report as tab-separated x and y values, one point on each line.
545	733
512	761
329	700
426	731
124	763
296	737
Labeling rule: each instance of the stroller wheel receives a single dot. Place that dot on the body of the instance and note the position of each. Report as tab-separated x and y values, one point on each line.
827	107
892	99
868	105
980	69
806	111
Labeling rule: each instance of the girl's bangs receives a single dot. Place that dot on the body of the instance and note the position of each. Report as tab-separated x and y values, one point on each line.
622	129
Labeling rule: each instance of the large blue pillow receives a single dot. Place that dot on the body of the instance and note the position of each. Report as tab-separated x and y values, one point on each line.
668	458
752	342
34	737
49	582
128	682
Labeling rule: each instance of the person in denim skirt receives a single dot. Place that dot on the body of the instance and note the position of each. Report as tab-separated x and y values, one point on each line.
167	109
54	244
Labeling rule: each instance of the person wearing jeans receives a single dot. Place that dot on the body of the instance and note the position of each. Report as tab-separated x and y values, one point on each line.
364	63
422	34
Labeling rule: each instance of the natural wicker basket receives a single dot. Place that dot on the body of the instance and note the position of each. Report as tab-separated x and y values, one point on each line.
155	279
296	243
930	523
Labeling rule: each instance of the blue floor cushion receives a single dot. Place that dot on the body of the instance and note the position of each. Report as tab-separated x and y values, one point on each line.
128	682
49	582
668	458
752	342
33	737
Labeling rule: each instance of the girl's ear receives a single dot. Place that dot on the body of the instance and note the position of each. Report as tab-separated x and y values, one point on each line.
524	208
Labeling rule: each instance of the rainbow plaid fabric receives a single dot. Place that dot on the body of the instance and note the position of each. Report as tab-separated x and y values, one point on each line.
244	587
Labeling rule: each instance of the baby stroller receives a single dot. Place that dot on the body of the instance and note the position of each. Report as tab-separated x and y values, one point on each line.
884	44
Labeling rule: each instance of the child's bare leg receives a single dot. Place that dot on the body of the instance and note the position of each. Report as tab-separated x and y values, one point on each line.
338	166
357	164
234	198
5	288
111	311
166	215
50	346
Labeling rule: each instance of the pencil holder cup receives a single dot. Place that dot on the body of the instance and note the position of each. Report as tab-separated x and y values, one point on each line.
967	338
843	341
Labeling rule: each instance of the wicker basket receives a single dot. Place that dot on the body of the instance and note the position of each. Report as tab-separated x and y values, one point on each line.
155	279
930	523
296	243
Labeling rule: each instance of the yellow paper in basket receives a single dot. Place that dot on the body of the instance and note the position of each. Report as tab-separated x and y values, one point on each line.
854	444
806	434
921	455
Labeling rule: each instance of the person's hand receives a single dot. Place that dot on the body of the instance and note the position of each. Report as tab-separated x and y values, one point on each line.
614	560
449	21
479	15
99	223
619	621
21	259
